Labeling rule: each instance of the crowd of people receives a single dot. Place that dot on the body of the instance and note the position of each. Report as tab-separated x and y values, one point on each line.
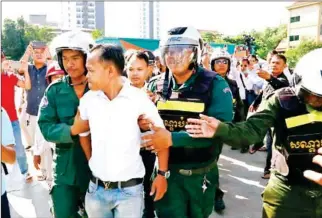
139	133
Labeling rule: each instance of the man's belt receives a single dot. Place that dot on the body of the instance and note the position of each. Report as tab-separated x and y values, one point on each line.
115	185
199	171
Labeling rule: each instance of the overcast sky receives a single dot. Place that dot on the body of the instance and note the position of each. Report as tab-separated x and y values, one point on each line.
123	17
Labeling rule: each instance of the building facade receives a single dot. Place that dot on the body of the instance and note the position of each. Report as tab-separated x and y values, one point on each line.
305	22
82	14
150	20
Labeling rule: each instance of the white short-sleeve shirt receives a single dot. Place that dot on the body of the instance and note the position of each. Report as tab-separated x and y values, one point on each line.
115	134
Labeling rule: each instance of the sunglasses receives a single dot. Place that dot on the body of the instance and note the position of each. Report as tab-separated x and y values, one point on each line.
221	61
244	65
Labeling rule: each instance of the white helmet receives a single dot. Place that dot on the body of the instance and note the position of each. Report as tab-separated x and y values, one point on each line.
219	53
182	38
73	40
308	73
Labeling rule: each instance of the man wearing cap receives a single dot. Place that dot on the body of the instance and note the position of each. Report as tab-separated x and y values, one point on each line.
57	111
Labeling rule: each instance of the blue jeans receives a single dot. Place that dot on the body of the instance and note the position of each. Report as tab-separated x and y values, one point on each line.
118	203
20	150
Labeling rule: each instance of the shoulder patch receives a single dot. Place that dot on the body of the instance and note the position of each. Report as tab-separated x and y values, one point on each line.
44	102
226	90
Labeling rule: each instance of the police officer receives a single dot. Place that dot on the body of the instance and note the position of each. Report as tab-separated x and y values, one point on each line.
296	114
57	112
185	90
220	62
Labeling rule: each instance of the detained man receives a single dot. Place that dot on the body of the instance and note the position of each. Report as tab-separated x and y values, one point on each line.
111	110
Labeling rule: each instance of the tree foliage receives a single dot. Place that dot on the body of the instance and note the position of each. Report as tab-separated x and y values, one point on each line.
17	34
97	33
212	37
305	46
265	40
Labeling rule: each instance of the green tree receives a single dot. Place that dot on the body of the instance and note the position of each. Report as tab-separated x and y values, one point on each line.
267	40
212	37
17	34
12	41
305	46
237	40
97	33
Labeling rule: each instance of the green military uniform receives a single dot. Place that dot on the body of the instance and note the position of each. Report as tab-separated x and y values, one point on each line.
71	174
192	162
298	135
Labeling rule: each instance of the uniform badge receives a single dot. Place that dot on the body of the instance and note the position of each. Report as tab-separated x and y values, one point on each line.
44	102
227	89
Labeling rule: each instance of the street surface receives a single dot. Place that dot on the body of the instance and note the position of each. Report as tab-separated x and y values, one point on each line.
240	178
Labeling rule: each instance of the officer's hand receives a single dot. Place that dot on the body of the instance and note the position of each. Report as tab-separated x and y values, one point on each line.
144	122
37	161
159	140
205	127
264	74
159	187
79	126
314	176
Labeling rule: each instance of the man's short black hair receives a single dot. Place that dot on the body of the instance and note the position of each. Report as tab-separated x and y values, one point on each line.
113	53
245	59
254	56
140	55
280	56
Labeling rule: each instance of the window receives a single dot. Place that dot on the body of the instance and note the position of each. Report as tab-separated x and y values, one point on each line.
295	19
79	3
294	38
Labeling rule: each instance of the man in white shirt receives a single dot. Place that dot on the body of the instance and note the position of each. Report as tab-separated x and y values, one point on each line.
112	108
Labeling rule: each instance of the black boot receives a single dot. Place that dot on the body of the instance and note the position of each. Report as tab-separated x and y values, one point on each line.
219	204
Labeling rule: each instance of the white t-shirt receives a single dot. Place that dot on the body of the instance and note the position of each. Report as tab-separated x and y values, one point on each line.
115	134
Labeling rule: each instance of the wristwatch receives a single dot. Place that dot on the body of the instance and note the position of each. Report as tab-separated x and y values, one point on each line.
166	174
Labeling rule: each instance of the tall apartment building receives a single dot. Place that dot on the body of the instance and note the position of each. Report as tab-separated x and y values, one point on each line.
150	20
305	22
82	14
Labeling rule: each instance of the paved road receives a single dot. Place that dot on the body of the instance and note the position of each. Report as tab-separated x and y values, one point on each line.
239	176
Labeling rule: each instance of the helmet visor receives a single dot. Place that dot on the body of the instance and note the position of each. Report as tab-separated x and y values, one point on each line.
178	56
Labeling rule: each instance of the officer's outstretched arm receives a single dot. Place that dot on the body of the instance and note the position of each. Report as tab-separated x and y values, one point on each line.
51	128
243	133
